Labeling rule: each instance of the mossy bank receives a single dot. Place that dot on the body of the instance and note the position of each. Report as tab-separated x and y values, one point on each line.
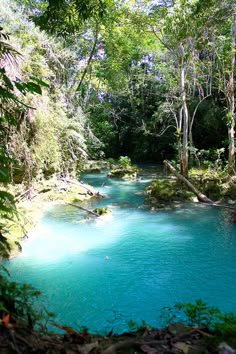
166	191
32	202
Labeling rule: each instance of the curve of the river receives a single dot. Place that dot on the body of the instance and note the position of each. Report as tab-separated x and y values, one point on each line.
130	264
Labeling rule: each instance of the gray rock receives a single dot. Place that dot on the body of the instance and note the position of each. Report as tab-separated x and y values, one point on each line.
224	348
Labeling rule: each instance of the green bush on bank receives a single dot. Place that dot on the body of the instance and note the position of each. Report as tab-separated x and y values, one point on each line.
19	301
213	183
123	168
222	325
165	190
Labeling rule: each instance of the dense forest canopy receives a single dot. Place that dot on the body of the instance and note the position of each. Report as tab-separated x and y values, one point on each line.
139	78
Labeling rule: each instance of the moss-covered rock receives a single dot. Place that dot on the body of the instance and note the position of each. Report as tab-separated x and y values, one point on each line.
214	184
208	181
167	190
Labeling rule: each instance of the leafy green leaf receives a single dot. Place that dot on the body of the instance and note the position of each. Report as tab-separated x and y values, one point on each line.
20	86
8	82
39	81
33	88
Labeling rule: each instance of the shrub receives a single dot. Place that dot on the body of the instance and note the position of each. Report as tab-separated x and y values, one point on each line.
199	313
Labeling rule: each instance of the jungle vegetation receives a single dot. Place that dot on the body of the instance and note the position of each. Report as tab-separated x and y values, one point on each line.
150	80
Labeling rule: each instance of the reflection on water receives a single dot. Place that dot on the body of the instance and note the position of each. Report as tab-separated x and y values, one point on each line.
131	263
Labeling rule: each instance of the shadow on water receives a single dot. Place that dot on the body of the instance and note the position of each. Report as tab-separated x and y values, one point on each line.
131	263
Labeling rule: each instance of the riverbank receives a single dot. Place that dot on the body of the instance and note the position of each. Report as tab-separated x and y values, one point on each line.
174	339
32	202
165	192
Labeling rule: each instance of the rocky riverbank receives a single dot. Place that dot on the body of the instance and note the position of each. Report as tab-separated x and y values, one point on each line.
175	339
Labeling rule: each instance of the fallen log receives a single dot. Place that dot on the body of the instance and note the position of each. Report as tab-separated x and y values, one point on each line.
89	191
84	209
200	196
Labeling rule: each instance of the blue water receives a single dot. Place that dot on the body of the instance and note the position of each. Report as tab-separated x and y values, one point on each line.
131	263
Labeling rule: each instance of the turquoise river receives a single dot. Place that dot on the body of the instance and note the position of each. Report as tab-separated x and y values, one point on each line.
131	263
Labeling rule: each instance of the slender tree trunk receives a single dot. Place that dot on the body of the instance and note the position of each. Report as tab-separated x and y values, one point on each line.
192	120
89	59
179	134
184	155
231	127
87	94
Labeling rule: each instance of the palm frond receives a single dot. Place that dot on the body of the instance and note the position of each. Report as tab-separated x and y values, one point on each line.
7	53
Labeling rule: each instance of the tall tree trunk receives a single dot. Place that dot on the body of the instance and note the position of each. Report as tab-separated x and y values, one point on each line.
184	155
89	59
231	127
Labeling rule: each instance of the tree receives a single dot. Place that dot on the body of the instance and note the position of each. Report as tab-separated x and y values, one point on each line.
177	36
186	30
220	25
66	17
225	55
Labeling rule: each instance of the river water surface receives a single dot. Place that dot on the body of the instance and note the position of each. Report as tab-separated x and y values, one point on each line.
131	263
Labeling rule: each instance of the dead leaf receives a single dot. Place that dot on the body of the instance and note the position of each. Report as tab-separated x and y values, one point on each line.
6	319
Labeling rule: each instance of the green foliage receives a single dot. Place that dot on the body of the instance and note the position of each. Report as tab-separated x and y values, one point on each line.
135	326
166	190
19	300
211	158
8	214
124	161
161	189
67	17
49	132
226	324
111	162
10	106
105	138
130	75
101	211
123	168
58	145
199	313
